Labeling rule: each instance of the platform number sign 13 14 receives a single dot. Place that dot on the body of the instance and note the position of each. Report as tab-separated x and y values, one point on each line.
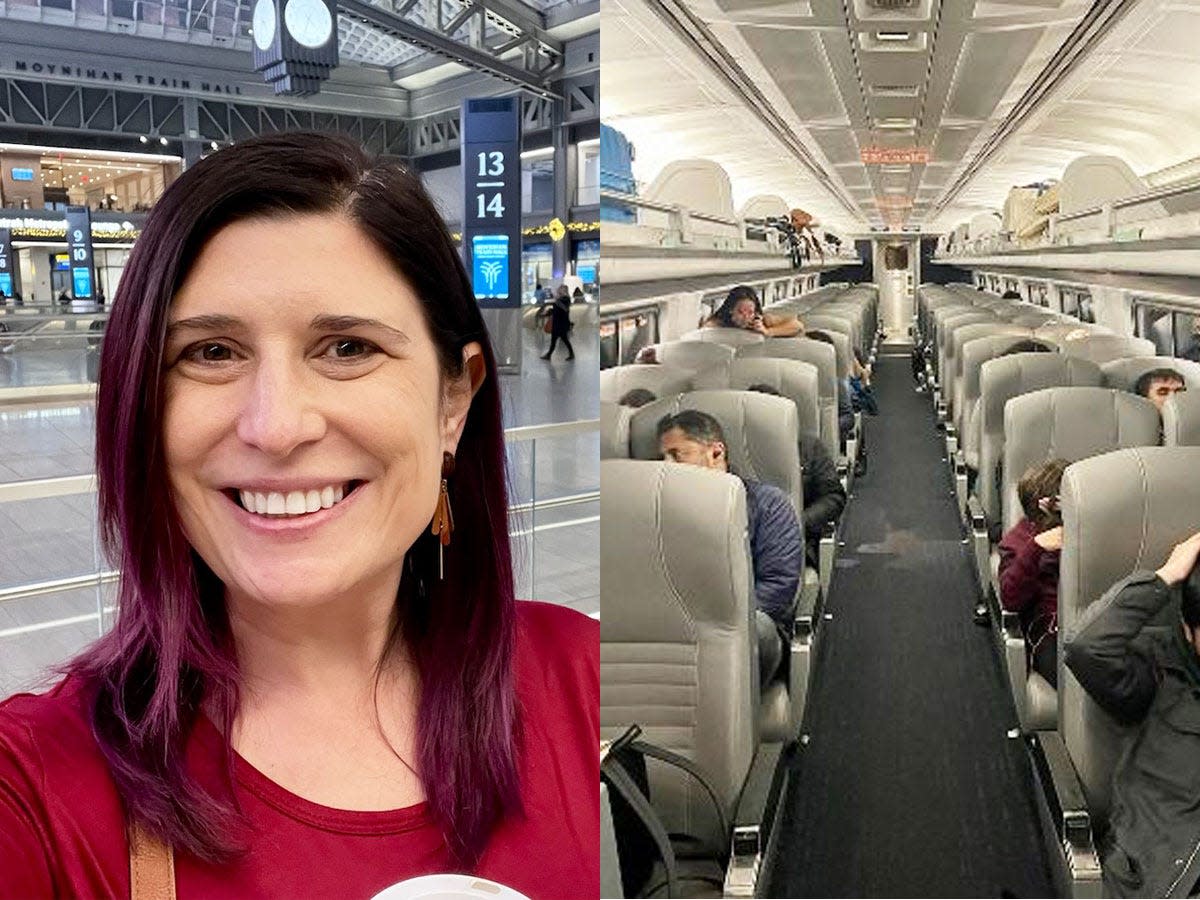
489	184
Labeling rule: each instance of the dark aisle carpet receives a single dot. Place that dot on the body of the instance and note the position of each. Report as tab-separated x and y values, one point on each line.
908	785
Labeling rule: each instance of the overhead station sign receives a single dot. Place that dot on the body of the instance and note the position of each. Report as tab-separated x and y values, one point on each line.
883	156
79	246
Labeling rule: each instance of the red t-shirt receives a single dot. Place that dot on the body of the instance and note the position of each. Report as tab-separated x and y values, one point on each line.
62	828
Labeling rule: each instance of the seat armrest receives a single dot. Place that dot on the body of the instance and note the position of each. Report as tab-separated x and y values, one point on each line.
960	483
1014	661
610	863
747	842
981	544
826	552
1068	807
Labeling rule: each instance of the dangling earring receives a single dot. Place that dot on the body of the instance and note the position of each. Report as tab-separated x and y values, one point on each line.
443	519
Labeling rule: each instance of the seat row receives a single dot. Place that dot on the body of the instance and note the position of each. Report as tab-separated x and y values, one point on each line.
679	642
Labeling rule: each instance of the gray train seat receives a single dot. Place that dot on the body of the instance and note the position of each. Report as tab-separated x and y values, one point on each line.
1181	420
678	645
660	380
792	378
730	337
1000	380
951	385
945	335
1056	332
824	357
823	318
762	441
1122	512
796	381
614	430
1124	373
1070	423
692	356
1102	348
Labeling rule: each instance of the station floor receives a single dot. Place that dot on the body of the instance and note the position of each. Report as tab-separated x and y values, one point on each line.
556	550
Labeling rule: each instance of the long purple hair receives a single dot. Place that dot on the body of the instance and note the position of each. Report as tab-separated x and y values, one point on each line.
171	650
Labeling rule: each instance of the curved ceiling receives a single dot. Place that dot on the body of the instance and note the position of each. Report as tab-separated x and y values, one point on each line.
927	86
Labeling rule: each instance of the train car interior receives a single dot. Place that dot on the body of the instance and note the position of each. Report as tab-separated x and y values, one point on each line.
960	244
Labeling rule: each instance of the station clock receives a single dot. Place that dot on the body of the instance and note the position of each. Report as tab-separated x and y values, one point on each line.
295	43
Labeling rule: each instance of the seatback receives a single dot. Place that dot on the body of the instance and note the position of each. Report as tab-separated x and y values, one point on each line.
731	337
974	354
1181	420
693	356
678	647
945	336
661	380
762	434
1056	332
1034	319
1070	423
1124	373
940	313
1122	512
614	430
793	379
952	380
824	357
999	381
1102	348
831	321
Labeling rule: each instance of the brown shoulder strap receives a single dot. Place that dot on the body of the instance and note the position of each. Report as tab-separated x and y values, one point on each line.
151	867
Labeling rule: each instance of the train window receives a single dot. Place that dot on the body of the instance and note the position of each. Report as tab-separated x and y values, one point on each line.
1156	325
609	351
1041	295
1069	300
1087	310
1187	336
637	330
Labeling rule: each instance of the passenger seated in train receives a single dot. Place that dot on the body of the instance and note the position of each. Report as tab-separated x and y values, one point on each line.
635	398
743	309
845	404
1029	556
824	496
1010	295
1151	680
647	356
1158	385
696	439
1028	346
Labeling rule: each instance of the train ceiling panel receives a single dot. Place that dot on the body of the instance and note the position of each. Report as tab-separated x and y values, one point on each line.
986	67
809	89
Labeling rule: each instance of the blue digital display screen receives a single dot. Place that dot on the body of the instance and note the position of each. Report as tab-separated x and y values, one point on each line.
587	274
6	287
82	278
22	174
62	262
489	265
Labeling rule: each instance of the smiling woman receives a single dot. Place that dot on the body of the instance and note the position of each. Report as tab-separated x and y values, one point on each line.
319	682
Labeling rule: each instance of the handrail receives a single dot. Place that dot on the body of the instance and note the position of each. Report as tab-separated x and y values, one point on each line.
660	206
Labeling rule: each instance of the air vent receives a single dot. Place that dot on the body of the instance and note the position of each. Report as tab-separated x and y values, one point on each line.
894	90
891	5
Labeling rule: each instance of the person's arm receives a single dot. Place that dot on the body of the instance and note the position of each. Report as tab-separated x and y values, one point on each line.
824	497
1020	567
778	553
782	326
1100	651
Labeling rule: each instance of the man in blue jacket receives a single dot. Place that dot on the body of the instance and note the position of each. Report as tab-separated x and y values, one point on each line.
776	543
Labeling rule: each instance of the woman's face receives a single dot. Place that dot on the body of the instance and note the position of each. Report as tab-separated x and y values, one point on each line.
743	313
302	382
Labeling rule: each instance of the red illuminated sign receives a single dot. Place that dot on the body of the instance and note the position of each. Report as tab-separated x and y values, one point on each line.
872	156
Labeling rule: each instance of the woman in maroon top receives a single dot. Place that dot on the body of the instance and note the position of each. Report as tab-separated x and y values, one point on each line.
319	683
1029	555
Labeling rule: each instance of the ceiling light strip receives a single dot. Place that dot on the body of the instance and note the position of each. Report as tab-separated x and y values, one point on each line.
693	30
1093	28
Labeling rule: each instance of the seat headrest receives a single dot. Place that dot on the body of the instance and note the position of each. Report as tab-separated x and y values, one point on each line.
692	356
1102	348
818	353
676	533
614	430
1181	420
762	434
660	380
791	378
1124	373
730	337
1070	423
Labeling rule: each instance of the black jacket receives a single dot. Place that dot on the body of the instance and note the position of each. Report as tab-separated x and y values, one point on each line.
1152	848
824	498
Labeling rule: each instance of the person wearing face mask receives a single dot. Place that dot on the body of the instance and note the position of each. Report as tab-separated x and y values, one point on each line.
319	682
1149	682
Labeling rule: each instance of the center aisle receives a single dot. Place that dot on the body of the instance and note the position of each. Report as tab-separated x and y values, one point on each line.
908	784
